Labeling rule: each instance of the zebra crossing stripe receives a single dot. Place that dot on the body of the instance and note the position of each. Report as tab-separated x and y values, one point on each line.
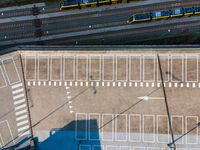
22	123
18	91
16	85
23	128
18	96
21	117
19	101
20	107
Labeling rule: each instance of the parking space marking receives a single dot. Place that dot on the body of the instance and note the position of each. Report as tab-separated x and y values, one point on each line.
85	147
135	68
135	127
192	137
138	148
121	127
81	67
149	129
56	68
95	67
3	82
191	68
124	148
5	140
111	147
43	67
149	68
178	124
177	67
108	67
165	64
11	71
121	68
1	141
93	126
81	126
162	128
30	67
68	67
107	136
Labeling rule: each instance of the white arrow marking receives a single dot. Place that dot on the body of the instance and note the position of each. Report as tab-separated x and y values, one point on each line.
146	98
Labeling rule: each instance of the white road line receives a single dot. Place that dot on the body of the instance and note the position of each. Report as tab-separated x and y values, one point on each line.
16	85
23	128
22	123
25	133
21	112
20	107
21	117
19	101
18	96
18	91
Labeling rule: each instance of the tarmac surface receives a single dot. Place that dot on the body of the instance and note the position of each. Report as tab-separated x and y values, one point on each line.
111	99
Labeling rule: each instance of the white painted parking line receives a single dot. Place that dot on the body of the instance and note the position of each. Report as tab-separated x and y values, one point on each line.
18	91
56	68
43	67
33	83
20	107
130	84
121	68
3	78
29	83
81	67
95	67
177	67
108	68
69	67
149	64
22	123
19	101
30	67
21	117
16	85
135	68
190	122
39	83
20	112
23	128
11	71
18	96
149	127
191	68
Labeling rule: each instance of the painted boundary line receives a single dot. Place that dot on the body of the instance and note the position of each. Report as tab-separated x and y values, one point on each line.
60	66
35	64
190	56
6	72
46	58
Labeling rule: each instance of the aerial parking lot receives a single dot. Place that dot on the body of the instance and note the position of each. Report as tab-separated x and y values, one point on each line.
109	100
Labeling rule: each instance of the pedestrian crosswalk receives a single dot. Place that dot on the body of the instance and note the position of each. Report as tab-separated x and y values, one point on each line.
20	107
